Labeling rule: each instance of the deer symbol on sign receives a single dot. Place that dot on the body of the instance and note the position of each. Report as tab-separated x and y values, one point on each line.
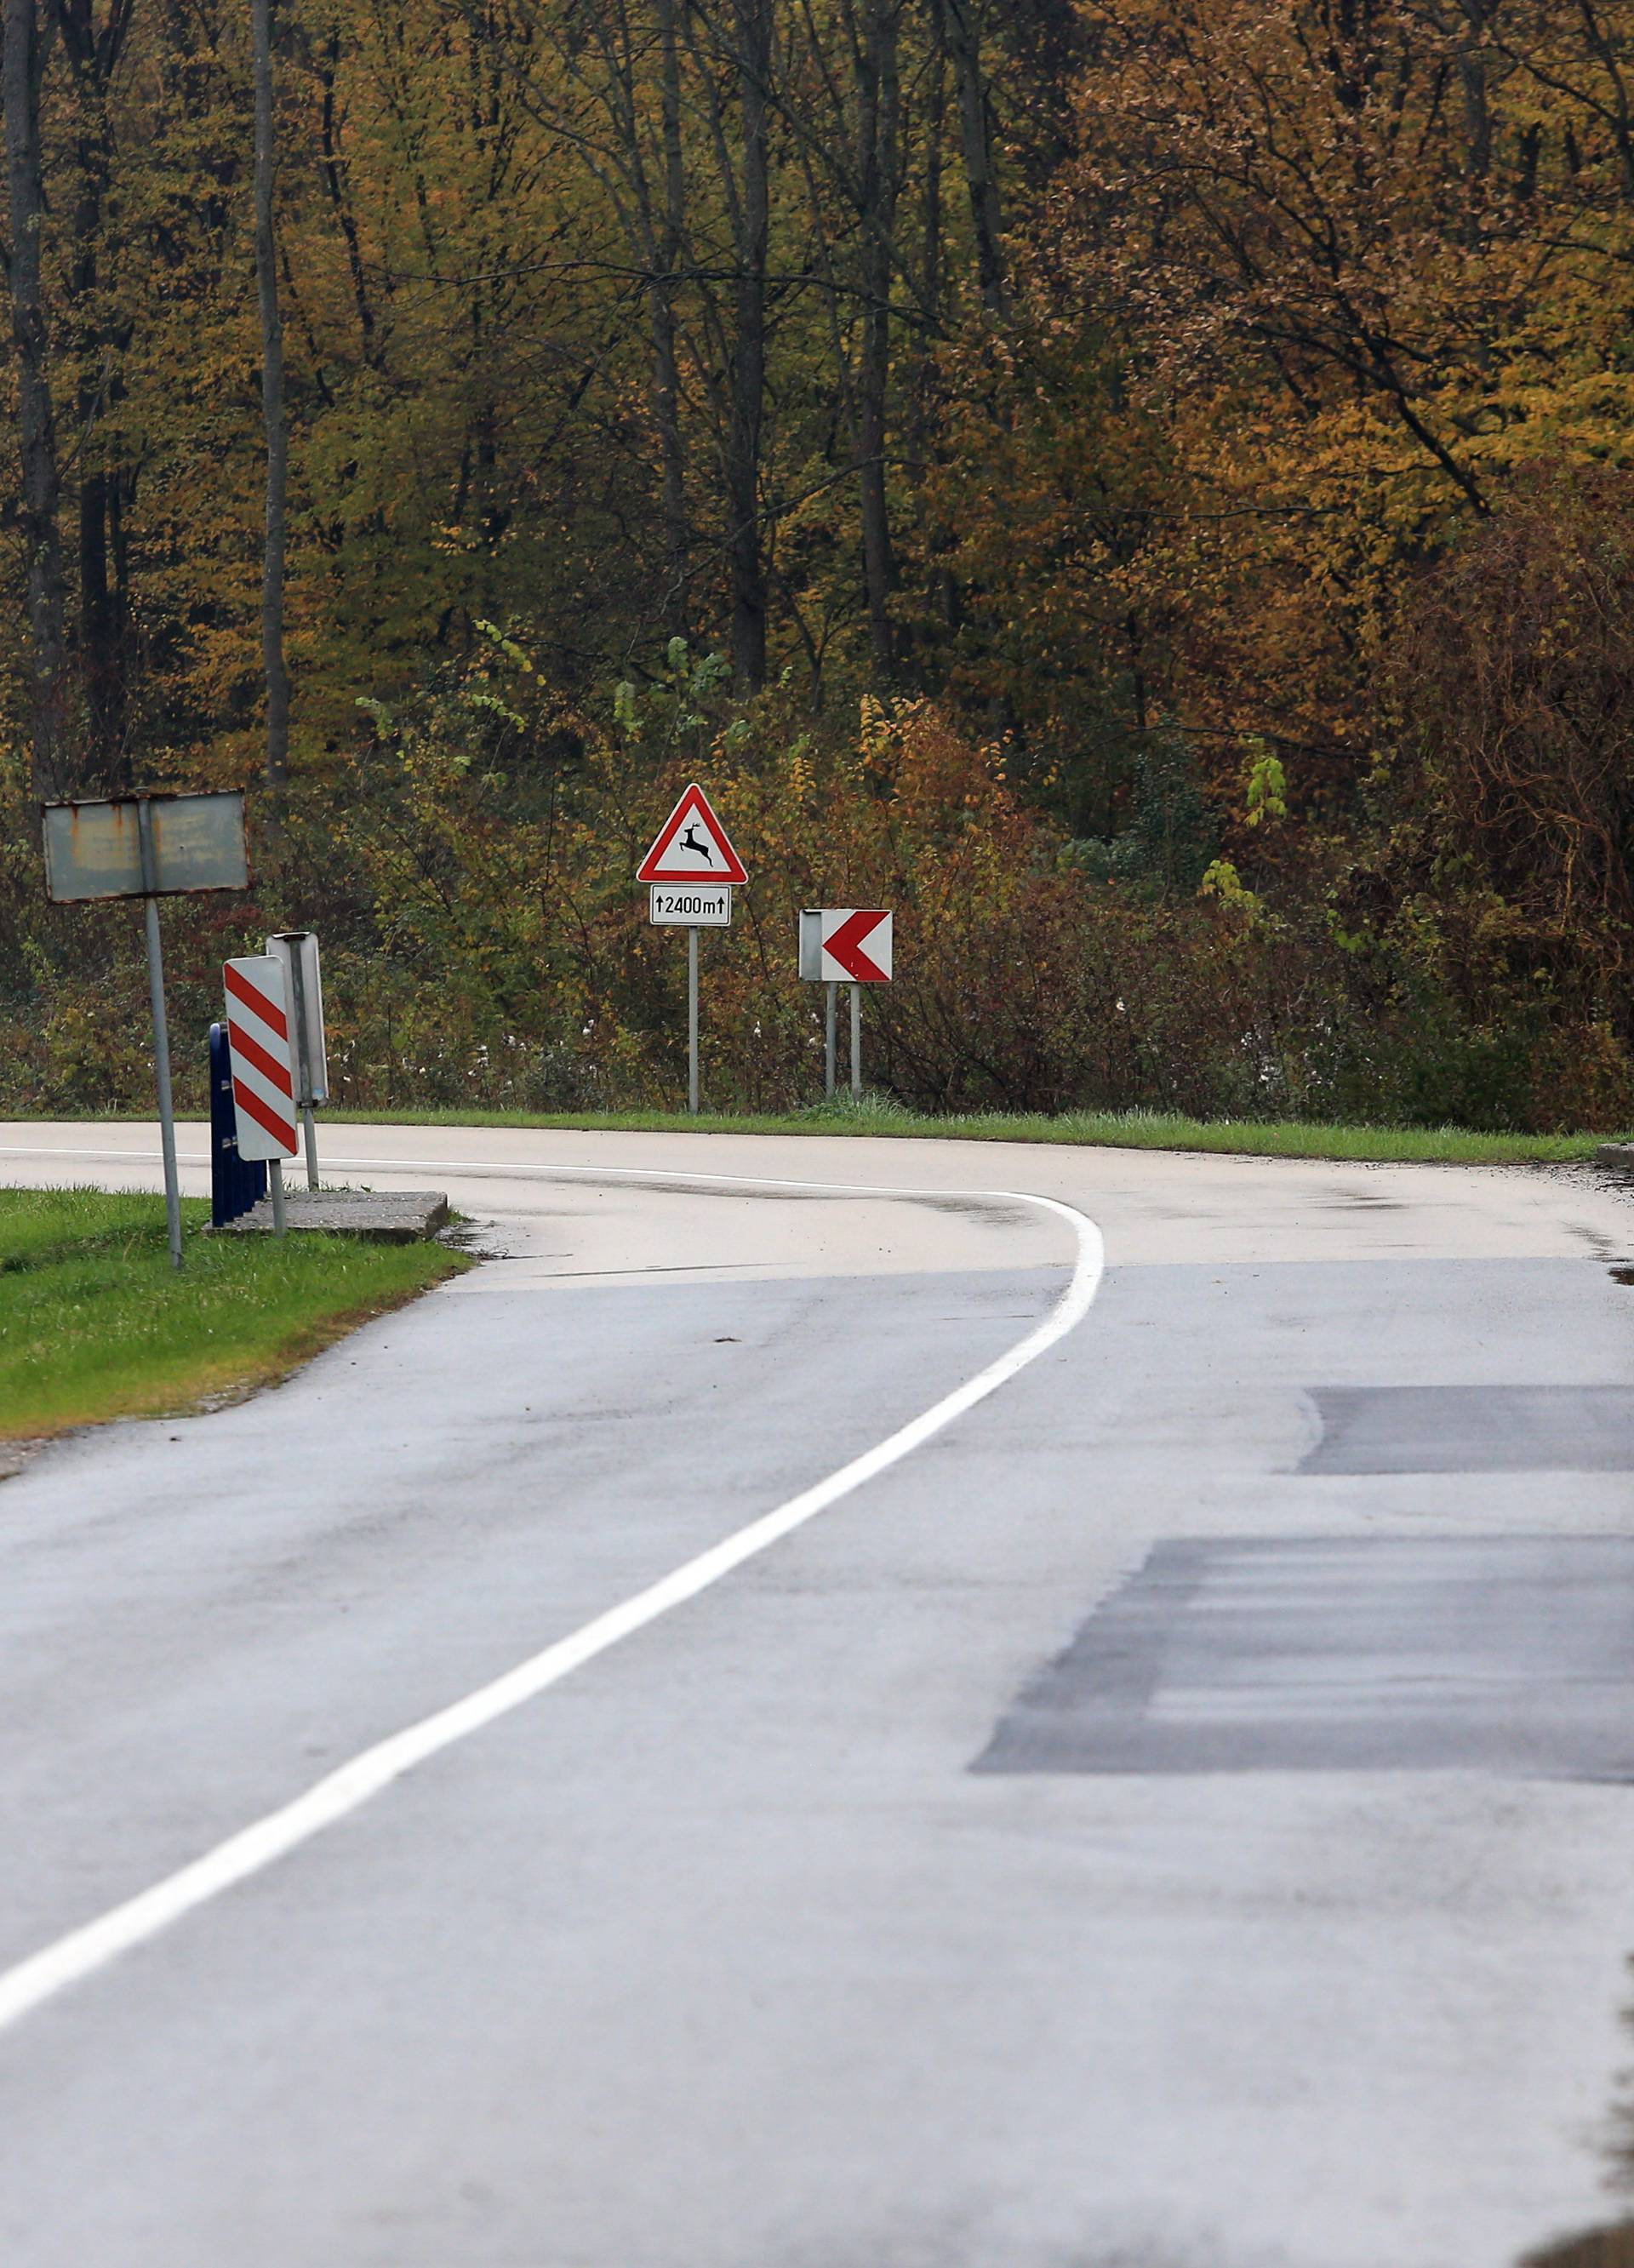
690	842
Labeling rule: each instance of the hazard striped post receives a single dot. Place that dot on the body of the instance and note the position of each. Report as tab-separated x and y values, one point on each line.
261	1048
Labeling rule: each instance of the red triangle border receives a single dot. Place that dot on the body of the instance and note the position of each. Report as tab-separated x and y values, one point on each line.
693	804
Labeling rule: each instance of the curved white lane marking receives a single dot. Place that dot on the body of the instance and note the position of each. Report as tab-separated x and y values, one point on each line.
100	1157
499	1169
84	1951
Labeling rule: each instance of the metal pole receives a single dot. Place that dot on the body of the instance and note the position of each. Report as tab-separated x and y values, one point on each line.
303	1063
830	1043
161	1066
275	1175
692	1021
856	1043
161	1030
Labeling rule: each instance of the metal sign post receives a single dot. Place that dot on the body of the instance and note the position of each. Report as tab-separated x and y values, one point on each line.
830	1042
693	870
856	1043
150	845
161	1031
692	1019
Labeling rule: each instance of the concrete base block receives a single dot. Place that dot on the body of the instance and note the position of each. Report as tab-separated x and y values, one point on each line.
1616	1158
387	1216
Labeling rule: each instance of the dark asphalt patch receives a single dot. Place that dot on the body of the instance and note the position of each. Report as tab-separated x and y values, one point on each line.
1473	1429
1602	2248
1503	1653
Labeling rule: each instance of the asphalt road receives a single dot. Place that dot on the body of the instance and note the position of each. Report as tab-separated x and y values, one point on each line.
1174	1811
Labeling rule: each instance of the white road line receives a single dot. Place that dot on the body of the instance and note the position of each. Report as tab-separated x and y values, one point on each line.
100	1157
93	1947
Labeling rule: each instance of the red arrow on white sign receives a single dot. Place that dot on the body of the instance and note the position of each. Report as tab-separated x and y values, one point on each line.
846	945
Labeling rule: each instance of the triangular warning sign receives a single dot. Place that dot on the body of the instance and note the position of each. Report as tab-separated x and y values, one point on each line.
692	846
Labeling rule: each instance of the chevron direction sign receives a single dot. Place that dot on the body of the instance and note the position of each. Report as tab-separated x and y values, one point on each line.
261	1047
846	945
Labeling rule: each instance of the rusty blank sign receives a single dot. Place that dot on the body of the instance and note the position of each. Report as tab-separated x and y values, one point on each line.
94	849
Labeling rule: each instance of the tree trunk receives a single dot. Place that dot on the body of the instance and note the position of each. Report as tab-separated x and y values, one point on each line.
272	406
880	123
92	50
745	553
340	200
20	71
933	135
665	362
102	640
964	45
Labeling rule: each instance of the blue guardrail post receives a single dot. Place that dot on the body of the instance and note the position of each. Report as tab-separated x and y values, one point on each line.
235	1183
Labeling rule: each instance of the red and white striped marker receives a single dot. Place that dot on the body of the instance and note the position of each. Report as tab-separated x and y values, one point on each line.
261	1046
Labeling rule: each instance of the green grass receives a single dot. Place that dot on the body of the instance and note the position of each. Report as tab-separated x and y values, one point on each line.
95	1323
1131	1129
1125	1130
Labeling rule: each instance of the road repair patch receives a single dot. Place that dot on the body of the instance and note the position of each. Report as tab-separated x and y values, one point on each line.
1473	1429
1504	1653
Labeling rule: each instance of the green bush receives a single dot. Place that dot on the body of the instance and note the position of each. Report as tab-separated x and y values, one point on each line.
470	868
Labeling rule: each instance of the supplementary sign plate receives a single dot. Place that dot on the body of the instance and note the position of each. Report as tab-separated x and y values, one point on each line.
846	945
94	849
692	846
695	905
260	1042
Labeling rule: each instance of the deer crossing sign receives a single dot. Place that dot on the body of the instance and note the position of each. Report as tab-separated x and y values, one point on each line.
692	871
692	846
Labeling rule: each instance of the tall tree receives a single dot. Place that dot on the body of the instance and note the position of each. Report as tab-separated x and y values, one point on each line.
879	160
21	72
92	48
749	44
962	20
624	62
273	416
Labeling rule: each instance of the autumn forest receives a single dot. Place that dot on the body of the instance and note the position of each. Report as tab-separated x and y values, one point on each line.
1147	491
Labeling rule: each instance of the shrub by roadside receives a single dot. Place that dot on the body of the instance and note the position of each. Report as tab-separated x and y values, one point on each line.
470	871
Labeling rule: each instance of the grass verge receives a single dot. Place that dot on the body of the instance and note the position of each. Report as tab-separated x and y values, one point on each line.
1131	1130
94	1322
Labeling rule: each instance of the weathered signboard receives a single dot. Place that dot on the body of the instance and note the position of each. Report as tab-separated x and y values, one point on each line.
147	846
96	850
